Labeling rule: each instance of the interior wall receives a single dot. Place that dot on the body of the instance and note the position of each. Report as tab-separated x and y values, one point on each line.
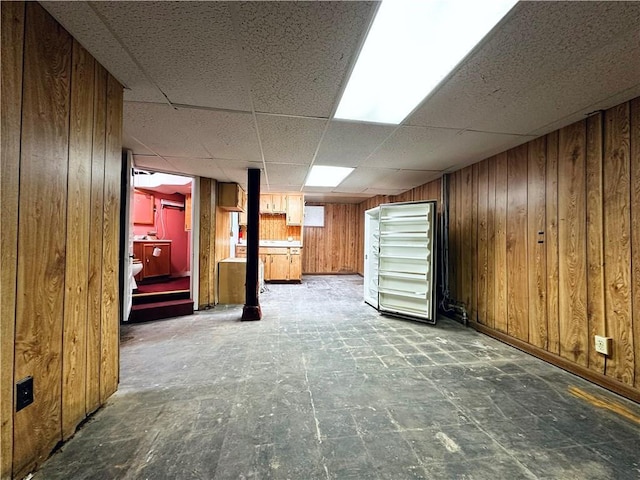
332	248
545	246
61	164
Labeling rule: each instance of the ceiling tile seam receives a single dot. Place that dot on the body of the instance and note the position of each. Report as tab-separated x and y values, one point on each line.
460	130
288	115
245	71
151	150
343	85
128	52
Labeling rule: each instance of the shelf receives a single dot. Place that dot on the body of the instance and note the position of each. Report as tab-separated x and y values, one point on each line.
400	293
420	234
403	257
406	219
402	245
410	276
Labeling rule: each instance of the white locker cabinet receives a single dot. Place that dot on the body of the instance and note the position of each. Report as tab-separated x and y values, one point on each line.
406	259
371	247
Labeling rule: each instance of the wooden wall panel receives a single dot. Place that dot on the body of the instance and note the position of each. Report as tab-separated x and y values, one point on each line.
517	278
12	32
536	252
333	248
207	235
453	236
94	308
109	368
572	243
465	227
491	242
551	242
635	230
483	240
41	234
473	264
617	238
77	254
595	249
500	244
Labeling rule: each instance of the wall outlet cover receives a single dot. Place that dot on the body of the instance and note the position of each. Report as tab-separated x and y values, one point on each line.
603	345
24	393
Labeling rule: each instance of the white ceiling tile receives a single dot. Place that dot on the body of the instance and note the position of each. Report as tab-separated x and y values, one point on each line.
202	167
413	148
284	174
81	19
549	58
384	191
289	139
331	197
174	40
298	53
362	178
152	162
191	132
347	144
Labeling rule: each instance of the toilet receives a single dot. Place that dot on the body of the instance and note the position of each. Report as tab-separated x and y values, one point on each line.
136	268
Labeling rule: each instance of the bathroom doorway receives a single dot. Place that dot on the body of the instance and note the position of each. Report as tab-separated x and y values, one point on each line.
160	245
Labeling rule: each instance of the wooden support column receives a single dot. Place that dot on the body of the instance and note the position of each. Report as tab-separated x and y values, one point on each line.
251	310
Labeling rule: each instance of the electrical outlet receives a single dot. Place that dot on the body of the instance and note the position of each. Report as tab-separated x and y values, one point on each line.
24	393
603	345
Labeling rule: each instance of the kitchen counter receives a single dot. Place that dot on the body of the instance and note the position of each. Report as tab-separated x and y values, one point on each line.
275	243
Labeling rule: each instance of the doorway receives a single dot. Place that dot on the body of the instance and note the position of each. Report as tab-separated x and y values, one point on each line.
160	241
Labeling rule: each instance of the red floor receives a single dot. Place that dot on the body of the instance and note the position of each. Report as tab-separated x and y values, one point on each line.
170	285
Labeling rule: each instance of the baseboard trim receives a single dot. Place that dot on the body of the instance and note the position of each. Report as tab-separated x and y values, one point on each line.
594	377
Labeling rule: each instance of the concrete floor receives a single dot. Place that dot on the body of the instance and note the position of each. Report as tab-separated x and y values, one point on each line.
324	387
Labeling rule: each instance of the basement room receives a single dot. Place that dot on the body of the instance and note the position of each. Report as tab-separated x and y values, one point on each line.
382	239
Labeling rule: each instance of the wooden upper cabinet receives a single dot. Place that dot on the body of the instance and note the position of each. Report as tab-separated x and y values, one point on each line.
231	197
295	209
273	203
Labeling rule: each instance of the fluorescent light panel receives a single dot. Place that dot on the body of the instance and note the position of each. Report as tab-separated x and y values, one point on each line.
322	176
411	47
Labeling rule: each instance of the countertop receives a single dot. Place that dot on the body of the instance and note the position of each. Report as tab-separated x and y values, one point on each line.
275	243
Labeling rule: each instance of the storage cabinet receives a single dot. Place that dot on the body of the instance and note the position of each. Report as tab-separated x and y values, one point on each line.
405	263
231	197
280	263
273	203
295	209
156	259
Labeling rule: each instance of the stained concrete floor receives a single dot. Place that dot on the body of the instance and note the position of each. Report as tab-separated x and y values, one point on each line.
325	387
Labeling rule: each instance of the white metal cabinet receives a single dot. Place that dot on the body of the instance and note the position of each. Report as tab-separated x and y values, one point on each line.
406	260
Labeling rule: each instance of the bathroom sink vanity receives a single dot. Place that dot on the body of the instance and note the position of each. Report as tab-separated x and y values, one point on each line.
155	256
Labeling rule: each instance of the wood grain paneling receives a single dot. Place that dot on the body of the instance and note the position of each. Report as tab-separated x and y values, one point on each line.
94	320
595	249
536	252
572	243
551	241
77	254
517	278
465	227
473	264
41	234
500	244
12	32
617	238
453	237
206	258
332	248
635	230
482	258
109	362
222	248
491	242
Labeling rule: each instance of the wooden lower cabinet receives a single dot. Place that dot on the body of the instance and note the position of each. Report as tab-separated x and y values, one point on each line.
281	263
153	265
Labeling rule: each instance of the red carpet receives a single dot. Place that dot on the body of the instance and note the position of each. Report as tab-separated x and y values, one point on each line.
169	285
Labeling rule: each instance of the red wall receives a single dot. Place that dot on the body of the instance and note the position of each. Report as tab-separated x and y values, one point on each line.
174	230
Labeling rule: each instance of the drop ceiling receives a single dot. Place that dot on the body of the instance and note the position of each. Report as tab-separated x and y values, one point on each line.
215	88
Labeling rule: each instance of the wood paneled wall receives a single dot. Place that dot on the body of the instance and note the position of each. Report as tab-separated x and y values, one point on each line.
215	242
545	245
334	247
61	163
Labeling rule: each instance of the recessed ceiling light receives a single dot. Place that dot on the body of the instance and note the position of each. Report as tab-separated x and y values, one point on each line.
411	47
321	176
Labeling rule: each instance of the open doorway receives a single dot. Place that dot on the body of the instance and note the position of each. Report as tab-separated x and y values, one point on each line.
161	245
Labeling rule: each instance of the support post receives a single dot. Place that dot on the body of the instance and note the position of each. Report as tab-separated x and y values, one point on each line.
251	310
